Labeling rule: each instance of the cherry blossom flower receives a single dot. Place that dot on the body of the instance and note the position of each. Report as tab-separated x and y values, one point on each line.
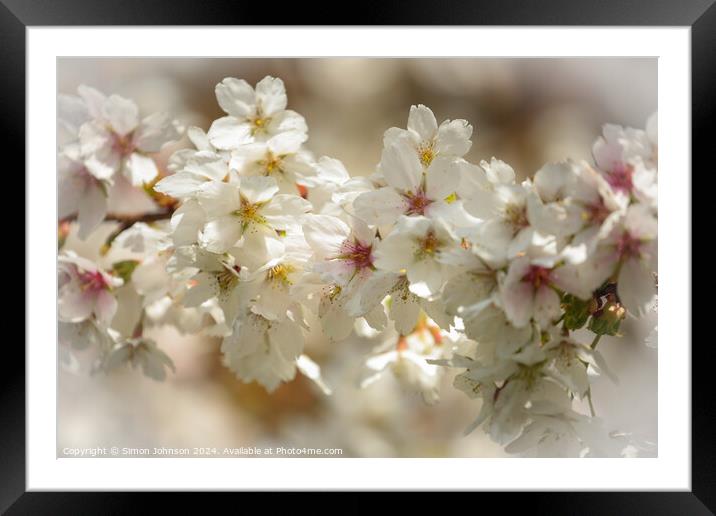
422	248
85	290
406	356
249	207
254	114
219	276
280	157
82	189
444	262
262	350
117	137
626	157
196	170
450	139
139	353
413	188
628	251
531	289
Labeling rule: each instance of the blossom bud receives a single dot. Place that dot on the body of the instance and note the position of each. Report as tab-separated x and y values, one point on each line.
576	312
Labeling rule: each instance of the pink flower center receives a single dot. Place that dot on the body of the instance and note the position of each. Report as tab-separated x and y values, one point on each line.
596	213
537	276
628	246
620	177
92	281
358	254
417	203
123	145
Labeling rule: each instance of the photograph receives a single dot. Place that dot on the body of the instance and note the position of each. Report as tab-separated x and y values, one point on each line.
357	257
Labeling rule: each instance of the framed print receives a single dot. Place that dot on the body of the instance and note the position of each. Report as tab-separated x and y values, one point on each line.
360	257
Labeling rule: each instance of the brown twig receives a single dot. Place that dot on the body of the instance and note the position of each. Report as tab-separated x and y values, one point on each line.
127	219
125	222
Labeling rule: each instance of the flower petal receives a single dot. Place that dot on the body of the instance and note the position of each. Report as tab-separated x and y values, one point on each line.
422	121
229	132
236	97
122	114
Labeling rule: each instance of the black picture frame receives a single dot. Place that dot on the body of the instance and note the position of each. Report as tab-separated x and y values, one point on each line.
700	15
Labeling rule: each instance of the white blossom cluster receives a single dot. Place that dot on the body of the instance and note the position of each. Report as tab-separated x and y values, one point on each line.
441	261
104	143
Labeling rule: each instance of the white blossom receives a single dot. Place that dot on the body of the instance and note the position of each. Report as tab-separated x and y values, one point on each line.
254	114
85	290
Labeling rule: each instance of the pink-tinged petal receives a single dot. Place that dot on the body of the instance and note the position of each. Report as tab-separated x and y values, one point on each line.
546	305
422	121
636	286
155	131
454	138
380	207
92	210
640	222
229	132
236	97
72	112
271	95
103	170
122	114
71	186
74	304
93	98
608	152
518	295
401	166
645	186
105	307
94	138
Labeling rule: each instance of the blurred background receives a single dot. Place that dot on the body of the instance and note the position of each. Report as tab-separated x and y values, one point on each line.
524	111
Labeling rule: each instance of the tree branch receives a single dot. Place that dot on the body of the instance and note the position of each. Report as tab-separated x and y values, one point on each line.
128	220
125	222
